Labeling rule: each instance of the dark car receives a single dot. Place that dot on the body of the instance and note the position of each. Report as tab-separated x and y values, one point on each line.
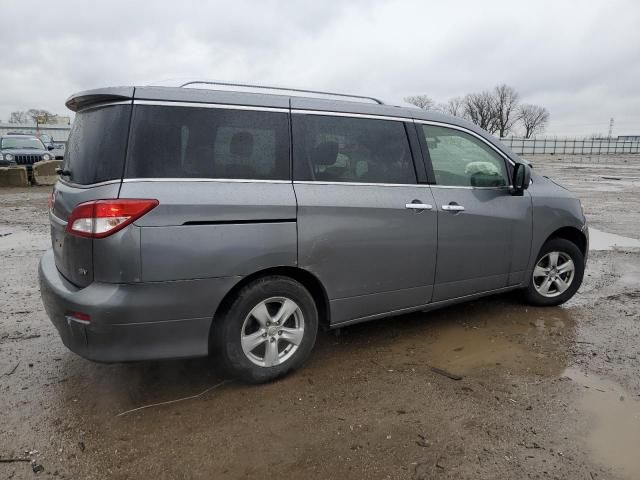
23	150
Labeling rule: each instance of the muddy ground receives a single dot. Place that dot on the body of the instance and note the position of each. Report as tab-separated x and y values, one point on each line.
545	393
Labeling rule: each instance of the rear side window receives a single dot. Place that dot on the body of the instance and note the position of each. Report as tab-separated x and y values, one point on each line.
96	147
460	159
345	149
189	142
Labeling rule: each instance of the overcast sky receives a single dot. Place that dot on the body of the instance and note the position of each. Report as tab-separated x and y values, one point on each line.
581	60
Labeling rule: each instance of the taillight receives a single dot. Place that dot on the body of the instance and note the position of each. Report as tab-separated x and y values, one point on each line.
101	218
79	317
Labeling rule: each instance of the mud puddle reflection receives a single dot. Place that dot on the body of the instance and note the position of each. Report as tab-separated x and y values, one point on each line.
613	416
496	333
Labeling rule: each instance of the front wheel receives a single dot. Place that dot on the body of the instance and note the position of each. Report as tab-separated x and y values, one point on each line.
267	331
557	274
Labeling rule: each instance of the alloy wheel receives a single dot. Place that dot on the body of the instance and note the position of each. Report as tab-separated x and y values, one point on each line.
272	331
553	274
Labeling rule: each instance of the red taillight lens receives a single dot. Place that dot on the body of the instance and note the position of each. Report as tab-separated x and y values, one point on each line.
101	218
52	199
81	317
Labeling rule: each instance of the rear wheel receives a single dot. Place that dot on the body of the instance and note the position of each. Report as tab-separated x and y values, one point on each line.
557	274
267	331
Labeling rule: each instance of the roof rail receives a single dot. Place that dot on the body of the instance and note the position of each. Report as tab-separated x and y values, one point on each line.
268	87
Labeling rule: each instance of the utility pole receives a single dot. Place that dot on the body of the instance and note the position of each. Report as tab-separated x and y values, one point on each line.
611	127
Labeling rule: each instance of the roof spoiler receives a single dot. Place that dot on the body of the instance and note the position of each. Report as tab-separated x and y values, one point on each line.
88	98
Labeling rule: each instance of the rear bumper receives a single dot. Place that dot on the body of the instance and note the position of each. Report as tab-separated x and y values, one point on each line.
139	321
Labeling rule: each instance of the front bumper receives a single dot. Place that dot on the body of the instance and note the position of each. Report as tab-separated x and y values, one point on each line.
138	321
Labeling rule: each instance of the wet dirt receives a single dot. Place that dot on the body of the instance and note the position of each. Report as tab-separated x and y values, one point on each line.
368	404
614	422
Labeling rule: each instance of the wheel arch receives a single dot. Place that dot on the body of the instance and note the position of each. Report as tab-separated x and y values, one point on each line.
306	278
574	235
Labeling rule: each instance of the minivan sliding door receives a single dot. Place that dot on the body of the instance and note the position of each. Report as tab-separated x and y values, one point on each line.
366	228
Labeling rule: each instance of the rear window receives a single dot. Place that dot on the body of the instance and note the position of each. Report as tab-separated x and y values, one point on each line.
191	142
96	148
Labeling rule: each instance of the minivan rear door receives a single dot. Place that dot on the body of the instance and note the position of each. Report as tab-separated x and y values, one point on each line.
92	170
366	227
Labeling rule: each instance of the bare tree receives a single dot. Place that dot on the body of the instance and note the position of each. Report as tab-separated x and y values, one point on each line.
480	109
32	115
421	101
454	107
505	108
44	115
534	119
19	117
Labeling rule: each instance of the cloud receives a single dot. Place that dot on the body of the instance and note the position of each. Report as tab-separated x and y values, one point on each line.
581	63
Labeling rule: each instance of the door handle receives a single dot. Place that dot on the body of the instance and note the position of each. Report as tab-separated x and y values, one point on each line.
418	206
453	208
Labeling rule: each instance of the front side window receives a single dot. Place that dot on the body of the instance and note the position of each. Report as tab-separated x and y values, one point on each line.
188	142
461	160
346	149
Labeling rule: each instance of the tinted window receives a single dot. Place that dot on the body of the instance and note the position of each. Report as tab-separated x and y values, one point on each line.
460	159
178	142
96	146
343	149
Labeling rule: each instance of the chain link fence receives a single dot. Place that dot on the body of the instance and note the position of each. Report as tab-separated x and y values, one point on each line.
567	146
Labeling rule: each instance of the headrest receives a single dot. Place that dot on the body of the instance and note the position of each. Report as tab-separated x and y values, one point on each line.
325	153
241	144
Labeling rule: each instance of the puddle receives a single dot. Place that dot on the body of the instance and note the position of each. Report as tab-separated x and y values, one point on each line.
599	240
495	334
614	421
516	339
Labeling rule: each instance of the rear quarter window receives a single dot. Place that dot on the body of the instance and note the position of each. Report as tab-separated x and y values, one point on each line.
96	147
192	142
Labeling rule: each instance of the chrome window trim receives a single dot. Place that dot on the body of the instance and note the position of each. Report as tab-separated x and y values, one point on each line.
360	184
470	132
224	106
215	180
328	113
88	185
506	187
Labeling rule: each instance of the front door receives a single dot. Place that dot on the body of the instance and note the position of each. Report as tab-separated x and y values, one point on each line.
479	221
366	228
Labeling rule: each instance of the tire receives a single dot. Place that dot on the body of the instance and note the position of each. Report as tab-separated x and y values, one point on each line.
250	321
542	276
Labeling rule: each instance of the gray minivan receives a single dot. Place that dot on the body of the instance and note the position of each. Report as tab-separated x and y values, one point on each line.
192	220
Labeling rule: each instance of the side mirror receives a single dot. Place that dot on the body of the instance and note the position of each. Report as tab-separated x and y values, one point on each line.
521	178
50	147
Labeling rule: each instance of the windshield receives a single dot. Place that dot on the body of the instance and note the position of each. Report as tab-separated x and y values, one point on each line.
21	142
